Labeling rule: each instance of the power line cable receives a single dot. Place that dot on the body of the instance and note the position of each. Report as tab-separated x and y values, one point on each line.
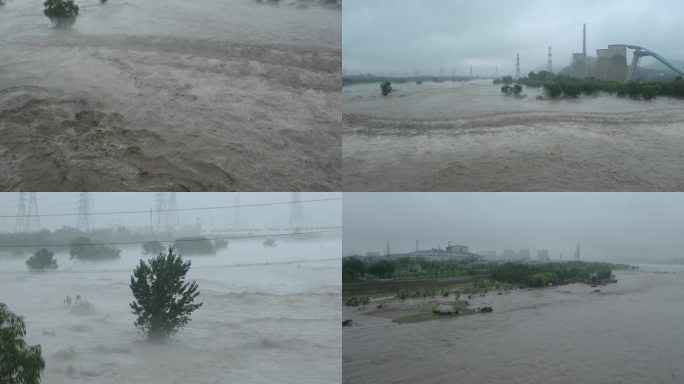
180	209
171	241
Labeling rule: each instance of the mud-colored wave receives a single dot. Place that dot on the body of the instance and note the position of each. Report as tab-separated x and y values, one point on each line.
53	142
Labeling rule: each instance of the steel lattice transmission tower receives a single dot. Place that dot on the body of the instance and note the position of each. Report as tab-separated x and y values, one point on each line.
517	66
165	212
159	213
84	204
577	252
174	219
22	214
296	215
33	220
549	62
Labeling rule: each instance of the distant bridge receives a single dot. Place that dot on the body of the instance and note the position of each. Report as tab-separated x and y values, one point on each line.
640	52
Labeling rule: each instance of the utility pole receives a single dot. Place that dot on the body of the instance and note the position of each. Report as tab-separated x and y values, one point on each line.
517	66
549	62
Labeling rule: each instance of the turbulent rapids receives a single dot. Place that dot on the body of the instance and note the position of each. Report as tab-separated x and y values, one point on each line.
469	137
229	96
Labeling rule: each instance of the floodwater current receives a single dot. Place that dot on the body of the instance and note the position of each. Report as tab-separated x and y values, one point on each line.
270	314
468	136
631	332
171	95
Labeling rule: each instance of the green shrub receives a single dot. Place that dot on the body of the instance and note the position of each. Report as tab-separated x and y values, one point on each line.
163	300
386	88
194	246
153	247
62	13
42	260
82	248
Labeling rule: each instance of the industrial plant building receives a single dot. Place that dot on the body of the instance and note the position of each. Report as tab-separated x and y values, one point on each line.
451	252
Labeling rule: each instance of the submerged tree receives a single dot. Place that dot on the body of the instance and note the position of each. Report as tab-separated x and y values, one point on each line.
163	299
62	13
153	247
19	363
42	260
386	87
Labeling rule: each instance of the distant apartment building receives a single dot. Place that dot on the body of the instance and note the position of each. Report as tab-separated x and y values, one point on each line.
524	254
543	256
489	255
508	255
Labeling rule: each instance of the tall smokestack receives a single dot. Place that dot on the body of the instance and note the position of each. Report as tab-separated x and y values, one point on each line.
584	40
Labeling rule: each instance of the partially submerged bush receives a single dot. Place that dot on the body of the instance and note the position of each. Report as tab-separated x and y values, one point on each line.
82	248
194	246
153	247
385	87
62	13
41	260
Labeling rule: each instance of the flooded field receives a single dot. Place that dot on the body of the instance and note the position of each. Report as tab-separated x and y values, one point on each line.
469	137
172	95
630	332
276	321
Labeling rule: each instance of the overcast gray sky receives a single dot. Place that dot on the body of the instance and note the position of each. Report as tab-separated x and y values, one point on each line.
610	226
314	213
385	36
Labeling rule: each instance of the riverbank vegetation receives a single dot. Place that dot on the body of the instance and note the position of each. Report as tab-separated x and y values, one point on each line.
559	86
409	277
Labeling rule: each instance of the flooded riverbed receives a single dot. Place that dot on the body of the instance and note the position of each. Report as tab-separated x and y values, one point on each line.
178	95
468	136
630	332
277	320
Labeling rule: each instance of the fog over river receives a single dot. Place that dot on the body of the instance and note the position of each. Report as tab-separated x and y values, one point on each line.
170	95
631	332
470	137
277	320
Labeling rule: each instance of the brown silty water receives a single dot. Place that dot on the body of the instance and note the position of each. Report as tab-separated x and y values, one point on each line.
469	137
202	95
630	333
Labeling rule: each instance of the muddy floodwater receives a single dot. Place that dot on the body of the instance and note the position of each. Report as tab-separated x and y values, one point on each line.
275	322
171	95
469	137
631	332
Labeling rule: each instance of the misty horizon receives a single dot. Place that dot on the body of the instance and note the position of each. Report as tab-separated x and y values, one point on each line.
190	205
433	37
609	226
